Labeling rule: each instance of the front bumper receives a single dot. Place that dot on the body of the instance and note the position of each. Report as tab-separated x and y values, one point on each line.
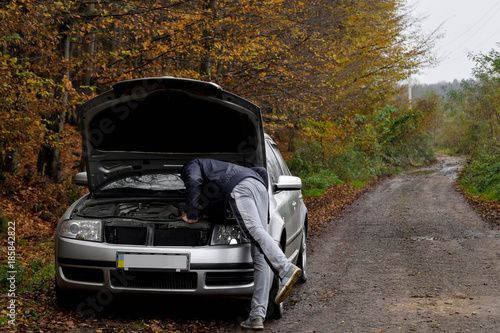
224	270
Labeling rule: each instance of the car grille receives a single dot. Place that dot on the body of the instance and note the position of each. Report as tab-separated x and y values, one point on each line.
154	280
228	278
180	237
156	235
83	274
126	235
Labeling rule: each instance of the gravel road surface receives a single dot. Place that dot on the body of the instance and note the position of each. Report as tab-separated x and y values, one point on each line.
409	256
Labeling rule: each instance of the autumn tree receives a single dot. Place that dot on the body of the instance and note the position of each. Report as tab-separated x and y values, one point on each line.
473	119
351	59
318	62
26	87
472	114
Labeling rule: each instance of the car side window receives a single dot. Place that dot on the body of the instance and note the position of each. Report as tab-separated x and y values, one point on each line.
276	165
273	167
281	160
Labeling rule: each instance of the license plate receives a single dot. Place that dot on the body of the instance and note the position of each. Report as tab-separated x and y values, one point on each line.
177	262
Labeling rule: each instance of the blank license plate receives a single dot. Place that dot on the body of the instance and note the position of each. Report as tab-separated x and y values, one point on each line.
178	262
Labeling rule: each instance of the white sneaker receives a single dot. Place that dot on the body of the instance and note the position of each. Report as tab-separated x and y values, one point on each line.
287	283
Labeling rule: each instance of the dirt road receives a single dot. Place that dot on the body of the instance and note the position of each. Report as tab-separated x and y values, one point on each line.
409	256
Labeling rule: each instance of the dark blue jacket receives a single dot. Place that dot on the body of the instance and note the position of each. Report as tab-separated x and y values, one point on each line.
210	182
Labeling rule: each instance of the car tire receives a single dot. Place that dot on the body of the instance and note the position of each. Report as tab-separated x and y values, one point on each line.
302	259
274	311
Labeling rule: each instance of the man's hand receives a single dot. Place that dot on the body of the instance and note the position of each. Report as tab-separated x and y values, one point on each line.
185	219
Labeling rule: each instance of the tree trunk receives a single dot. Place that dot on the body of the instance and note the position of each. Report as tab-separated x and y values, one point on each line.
90	51
9	160
206	63
49	157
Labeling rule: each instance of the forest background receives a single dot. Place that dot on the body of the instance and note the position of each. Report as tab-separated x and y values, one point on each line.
330	77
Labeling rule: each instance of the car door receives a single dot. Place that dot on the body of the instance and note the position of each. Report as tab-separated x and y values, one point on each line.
284	203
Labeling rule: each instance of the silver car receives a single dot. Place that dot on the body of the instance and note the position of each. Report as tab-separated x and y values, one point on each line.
126	234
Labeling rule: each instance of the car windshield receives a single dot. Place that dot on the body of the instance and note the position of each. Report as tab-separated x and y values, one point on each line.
150	182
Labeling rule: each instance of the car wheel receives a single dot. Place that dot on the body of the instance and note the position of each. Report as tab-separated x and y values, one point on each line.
302	260
274	311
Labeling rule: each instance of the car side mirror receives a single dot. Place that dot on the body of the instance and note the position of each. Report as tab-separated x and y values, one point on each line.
81	179
288	183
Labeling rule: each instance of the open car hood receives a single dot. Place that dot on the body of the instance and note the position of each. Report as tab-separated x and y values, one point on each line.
155	125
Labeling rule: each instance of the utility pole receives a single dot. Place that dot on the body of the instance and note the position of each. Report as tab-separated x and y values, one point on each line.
409	89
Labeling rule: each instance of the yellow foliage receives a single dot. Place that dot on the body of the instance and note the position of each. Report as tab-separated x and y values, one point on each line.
310	65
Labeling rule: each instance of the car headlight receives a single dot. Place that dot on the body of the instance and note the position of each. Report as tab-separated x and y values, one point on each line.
89	230
228	235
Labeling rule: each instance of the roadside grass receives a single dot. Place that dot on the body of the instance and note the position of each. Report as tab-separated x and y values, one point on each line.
480	177
355	166
447	151
33	267
482	180
422	172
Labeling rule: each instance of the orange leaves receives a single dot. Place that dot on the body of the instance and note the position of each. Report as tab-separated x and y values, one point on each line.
333	137
323	209
299	60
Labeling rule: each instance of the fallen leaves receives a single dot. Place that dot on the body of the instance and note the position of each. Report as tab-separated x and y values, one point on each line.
324	209
488	210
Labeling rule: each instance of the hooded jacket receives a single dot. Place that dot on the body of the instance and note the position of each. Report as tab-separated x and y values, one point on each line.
209	183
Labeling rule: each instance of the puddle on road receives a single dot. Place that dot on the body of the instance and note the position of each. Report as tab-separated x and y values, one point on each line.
443	168
443	239
422	172
450	170
426	238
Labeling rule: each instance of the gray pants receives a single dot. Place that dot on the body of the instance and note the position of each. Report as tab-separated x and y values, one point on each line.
250	203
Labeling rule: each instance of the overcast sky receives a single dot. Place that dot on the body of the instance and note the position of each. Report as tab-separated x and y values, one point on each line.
468	26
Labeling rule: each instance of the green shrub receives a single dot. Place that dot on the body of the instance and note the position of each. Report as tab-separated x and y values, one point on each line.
481	175
379	144
29	275
356	166
415	153
315	184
